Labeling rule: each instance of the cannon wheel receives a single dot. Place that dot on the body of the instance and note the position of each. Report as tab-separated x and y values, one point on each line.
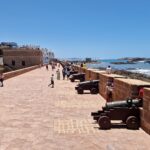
94	91
132	122
80	91
72	80
104	122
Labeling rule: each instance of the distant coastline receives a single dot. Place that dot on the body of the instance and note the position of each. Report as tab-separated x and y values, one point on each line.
135	59
128	74
137	68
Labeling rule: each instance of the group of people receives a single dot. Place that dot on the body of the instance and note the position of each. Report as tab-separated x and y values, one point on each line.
66	71
52	76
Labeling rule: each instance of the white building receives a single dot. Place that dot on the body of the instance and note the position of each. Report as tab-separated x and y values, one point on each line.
48	56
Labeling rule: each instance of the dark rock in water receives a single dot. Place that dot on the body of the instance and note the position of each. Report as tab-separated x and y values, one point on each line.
122	63
148	61
131	69
135	59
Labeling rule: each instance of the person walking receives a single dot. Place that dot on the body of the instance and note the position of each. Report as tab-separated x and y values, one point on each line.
63	73
1	79
47	67
58	74
52	81
67	73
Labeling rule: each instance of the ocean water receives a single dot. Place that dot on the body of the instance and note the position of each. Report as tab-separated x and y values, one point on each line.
139	67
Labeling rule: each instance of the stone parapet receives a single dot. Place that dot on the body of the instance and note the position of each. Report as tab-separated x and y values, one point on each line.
76	67
91	74
104	78
18	72
145	111
79	69
83	70
125	88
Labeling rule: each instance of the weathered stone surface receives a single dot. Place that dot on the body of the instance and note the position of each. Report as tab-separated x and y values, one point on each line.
124	88
103	82
23	57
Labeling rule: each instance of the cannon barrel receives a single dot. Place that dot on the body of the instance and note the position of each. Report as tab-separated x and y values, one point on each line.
126	103
73	72
96	113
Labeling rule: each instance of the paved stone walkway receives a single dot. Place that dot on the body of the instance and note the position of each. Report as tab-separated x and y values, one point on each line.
34	116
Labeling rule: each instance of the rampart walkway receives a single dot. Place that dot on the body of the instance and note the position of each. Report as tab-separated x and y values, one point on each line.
34	116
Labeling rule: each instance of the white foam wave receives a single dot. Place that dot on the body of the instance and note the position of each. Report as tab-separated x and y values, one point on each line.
142	71
142	61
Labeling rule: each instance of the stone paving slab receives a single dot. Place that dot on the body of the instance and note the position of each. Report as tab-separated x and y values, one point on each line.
37	117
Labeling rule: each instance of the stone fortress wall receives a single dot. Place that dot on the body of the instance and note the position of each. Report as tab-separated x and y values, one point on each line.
19	72
17	58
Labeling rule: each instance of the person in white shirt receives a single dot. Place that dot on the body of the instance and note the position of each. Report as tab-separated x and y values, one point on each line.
58	74
108	70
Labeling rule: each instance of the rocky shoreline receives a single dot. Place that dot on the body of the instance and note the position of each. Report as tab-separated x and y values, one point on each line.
122	63
129	74
135	59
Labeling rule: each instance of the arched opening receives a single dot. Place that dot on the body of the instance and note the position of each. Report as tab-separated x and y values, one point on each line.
1	52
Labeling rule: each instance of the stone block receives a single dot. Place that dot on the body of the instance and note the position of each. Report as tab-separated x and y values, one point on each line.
124	88
145	126
146	116
147	94
103	82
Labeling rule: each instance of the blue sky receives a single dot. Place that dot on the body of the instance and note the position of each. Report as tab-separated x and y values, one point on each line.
79	28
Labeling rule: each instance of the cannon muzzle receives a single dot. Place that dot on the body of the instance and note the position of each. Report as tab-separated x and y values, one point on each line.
96	113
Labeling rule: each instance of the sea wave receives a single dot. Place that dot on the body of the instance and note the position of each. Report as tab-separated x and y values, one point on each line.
141	71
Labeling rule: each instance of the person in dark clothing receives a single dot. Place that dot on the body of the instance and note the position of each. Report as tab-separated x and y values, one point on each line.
47	67
52	81
63	73
68	73
1	79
